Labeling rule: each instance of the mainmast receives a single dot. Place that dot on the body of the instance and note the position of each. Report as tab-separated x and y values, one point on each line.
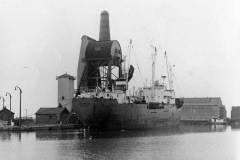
154	54
168	76
128	63
169	72
153	64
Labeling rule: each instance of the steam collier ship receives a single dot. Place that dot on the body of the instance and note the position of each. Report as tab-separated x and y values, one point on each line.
102	100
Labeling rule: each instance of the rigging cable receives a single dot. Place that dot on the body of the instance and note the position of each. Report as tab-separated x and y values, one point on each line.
135	59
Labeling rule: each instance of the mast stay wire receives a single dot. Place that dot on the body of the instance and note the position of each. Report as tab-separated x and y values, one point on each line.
167	63
177	85
173	74
135	59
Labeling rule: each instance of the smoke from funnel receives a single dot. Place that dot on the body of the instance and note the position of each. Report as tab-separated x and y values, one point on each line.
104	34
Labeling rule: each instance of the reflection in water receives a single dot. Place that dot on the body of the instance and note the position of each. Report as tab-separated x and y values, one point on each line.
185	142
77	134
58	135
5	136
203	128
165	143
19	136
235	126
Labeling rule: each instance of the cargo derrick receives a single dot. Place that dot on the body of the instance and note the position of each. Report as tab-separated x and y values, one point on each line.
98	59
101	58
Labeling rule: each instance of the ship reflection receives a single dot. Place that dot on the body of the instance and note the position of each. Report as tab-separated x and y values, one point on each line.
138	144
79	134
182	129
58	135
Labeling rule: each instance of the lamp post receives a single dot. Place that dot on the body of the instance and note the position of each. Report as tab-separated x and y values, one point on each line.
20	91
10	103
3	100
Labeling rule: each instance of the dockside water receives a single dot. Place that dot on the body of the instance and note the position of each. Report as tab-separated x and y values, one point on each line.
201	142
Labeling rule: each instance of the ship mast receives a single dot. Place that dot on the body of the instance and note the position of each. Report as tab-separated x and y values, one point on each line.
169	72
128	63
154	54
153	64
168	75
171	77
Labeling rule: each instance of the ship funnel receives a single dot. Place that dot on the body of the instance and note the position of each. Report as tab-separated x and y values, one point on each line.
104	34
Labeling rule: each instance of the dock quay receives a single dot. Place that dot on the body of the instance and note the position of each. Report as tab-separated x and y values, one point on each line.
41	127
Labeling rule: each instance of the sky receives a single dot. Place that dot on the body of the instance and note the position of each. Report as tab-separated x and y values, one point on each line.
40	40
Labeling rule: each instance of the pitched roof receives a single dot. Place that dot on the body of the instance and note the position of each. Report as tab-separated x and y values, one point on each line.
66	76
207	101
235	108
5	109
57	110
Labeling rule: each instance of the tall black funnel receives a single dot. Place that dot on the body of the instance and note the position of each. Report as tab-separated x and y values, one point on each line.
104	34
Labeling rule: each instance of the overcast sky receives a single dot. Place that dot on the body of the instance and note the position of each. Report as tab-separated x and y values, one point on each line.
40	40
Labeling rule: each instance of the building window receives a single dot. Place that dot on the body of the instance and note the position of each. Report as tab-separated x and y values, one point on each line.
62	97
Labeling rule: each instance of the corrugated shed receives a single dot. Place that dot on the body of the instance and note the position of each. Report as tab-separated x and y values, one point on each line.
57	110
6	111
235	113
202	109
206	101
6	115
52	115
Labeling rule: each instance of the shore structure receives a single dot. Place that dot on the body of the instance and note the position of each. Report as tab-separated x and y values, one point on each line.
235	115
58	115
65	90
203	110
25	121
6	116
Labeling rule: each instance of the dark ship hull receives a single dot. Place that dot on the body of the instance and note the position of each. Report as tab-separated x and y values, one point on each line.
101	99
107	114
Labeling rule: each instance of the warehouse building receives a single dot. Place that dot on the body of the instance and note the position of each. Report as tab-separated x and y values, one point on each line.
235	114
203	109
57	115
6	115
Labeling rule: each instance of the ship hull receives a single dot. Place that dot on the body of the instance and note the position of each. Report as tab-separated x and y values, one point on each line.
107	114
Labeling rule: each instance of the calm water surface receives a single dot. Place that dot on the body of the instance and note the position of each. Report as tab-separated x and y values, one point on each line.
184	143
